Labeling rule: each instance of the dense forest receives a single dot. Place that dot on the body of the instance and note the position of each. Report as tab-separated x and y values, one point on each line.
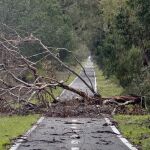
124	48
116	32
57	23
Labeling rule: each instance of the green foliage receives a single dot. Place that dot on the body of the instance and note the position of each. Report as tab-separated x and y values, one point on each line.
142	8
86	19
117	31
141	134
129	66
107	87
110	9
44	19
124	50
69	24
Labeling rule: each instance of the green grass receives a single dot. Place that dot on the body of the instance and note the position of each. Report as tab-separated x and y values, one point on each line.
60	76
107	87
136	129
58	90
12	127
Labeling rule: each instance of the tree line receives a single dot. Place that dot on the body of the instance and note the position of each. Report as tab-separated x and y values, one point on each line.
117	32
124	47
58	23
37	40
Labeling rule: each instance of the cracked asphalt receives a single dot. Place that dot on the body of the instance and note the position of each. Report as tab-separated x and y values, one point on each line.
74	133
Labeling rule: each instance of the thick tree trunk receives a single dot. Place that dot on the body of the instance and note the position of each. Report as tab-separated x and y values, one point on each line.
125	100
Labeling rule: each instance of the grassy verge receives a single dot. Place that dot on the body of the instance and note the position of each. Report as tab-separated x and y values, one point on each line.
107	87
136	129
12	127
133	127
77	69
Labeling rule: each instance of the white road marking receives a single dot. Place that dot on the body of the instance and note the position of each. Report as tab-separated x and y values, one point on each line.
74	120
75	148
89	59
24	137
69	85
75	142
20	141
74	127
124	140
115	130
74	136
95	82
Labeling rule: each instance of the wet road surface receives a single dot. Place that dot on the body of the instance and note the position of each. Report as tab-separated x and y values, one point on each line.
72	134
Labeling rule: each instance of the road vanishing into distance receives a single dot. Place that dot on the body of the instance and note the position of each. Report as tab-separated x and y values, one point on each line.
78	84
74	133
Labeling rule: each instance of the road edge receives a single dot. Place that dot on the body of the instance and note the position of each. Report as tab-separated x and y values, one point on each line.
19	141
114	128
117	132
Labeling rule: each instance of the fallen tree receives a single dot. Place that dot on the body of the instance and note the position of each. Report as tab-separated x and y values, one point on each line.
18	92
134	99
120	101
15	67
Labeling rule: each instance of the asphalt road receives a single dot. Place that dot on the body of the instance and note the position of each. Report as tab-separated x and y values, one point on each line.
74	133
78	84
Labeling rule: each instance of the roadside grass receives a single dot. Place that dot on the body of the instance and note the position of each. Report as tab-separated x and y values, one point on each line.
136	129
107	87
59	90
14	126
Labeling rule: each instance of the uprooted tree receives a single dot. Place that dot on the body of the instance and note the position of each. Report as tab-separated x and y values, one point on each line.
29	81
24	79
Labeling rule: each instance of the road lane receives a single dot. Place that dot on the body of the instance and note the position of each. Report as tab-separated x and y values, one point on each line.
78	84
74	133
